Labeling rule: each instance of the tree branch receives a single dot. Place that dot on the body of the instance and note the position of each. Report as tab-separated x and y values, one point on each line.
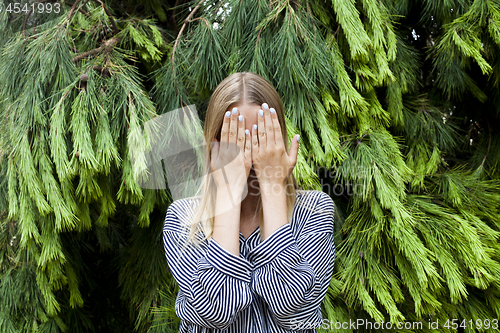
88	53
182	29
72	10
174	26
111	20
201	18
106	45
28	15
70	14
34	27
79	9
311	15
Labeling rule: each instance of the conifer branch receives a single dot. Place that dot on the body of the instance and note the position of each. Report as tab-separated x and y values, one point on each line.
107	46
182	30
174	13
258	36
201	18
111	20
34	27
79	9
70	14
88	53
72	10
27	16
310	14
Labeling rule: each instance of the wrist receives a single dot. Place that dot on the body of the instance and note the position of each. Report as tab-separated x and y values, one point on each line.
233	189
226	200
274	205
272	189
273	200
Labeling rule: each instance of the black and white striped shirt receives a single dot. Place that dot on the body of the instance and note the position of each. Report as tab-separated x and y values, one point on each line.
275	285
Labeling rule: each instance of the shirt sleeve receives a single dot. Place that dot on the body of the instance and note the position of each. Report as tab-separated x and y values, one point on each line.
214	284
293	275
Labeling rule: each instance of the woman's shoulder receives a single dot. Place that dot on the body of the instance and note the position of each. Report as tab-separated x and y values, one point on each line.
313	199
180	212
184	204
313	212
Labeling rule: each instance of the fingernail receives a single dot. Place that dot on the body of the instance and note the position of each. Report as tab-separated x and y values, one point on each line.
247	132
240	118
254	127
228	114
298	138
235	110
265	106
261	112
272	110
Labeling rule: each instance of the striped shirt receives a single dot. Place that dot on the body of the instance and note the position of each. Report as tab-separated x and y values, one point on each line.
275	285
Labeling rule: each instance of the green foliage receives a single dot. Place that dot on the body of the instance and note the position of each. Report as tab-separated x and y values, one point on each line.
396	102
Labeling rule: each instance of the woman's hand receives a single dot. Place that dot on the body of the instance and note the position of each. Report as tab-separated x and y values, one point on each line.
272	164
231	161
231	158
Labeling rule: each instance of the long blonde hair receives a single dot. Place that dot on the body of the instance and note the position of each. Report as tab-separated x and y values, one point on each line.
237	88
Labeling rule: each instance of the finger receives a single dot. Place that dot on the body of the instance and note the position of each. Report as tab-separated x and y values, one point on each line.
278	137
248	145
215	153
241	134
224	133
233	126
255	142
261	129
294	150
269	125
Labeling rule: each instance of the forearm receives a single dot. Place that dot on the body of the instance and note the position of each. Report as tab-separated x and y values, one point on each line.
298	267
284	278
226	229
275	208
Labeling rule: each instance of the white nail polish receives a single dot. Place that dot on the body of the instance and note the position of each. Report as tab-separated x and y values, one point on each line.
235	110
247	132
298	138
254	127
261	112
228	114
240	118
265	106
272	110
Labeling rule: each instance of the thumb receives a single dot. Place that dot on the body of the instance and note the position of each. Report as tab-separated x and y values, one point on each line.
294	150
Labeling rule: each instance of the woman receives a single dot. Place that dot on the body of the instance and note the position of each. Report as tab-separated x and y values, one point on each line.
252	253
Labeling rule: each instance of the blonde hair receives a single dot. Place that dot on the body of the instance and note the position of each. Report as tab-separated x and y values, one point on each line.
236	89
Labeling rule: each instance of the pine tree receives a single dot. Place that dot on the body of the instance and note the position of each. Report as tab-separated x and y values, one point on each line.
396	102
